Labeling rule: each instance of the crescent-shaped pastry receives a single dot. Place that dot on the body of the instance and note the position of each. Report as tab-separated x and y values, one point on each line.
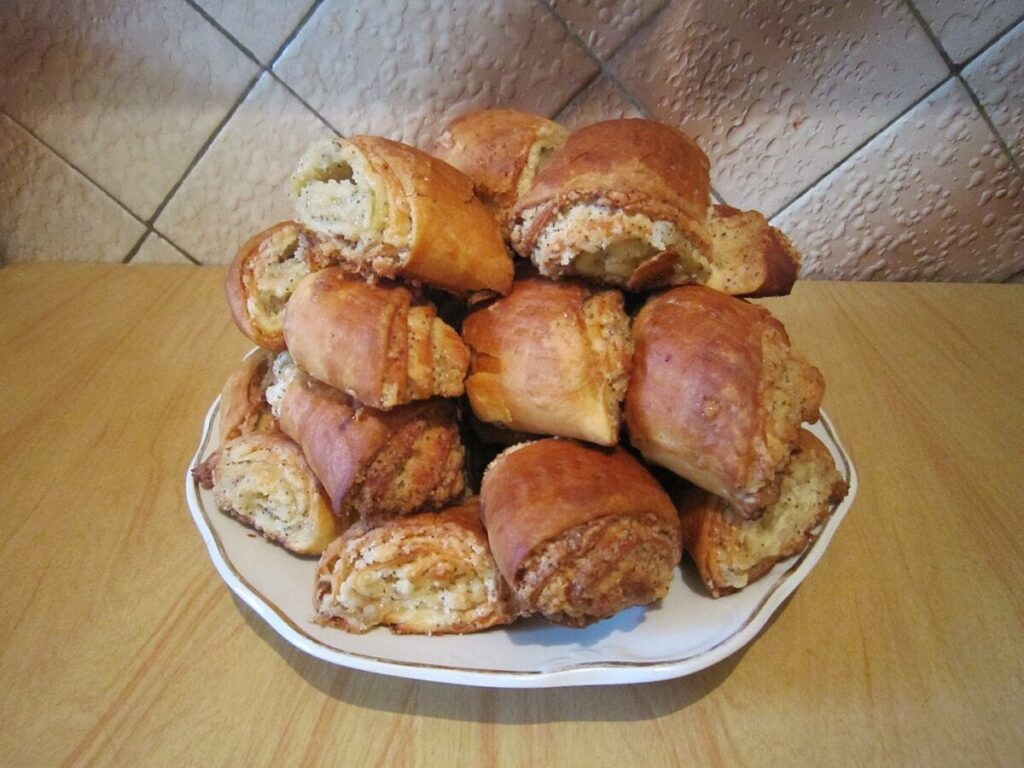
392	210
579	532
717	395
263	480
501	151
372	340
243	403
551	359
730	551
430	574
374	464
627	203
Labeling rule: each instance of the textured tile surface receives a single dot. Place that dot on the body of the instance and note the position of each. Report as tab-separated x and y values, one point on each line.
604	24
127	91
49	212
402	69
239	187
260	26
933	197
997	77
965	26
777	95
156	250
601	100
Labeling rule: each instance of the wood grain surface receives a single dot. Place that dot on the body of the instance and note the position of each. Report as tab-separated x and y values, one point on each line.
120	645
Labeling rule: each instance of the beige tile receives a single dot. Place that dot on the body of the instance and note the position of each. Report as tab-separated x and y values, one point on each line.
239	187
604	24
601	100
127	91
776	97
403	69
933	197
156	250
50	212
965	26
260	26
997	77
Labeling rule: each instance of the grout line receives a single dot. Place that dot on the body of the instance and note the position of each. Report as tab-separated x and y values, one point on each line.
997	39
302	101
135	248
930	34
990	123
220	28
295	33
73	166
839	163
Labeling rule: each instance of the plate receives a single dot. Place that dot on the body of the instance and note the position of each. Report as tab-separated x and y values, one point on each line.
688	631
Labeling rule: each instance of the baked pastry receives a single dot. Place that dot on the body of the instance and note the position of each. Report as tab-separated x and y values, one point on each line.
731	551
373	341
749	257
552	359
579	532
243	405
717	395
500	150
263	480
374	464
624	202
391	210
261	279
430	573
627	203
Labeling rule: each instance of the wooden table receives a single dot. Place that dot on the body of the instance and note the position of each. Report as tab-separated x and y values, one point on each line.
121	645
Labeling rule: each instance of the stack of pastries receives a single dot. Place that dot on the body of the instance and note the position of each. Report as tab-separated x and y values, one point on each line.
516	376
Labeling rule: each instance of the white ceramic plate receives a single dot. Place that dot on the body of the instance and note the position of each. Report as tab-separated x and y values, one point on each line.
687	632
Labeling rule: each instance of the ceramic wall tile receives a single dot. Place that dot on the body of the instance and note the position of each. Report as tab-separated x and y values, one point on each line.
129	92
997	77
239	187
156	250
601	100
50	212
777	94
604	25
964	27
402	69
261	27
933	197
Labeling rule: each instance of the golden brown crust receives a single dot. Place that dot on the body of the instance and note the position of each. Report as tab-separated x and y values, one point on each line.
424	223
370	341
557	491
551	359
431	554
263	480
730	551
499	150
752	257
717	395
636	167
376	464
243	407
241	285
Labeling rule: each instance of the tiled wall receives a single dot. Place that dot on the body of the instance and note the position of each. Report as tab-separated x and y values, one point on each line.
886	137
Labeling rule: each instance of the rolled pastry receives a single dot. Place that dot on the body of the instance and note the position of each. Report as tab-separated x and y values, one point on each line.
579	532
262	479
624	202
372	341
394	211
552	359
243	404
500	150
627	202
430	573
374	464
261	279
717	394
731	551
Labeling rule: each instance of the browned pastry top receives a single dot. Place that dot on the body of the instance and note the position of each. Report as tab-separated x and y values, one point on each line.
535	491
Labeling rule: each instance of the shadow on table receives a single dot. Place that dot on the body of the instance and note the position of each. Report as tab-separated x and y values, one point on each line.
642	701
